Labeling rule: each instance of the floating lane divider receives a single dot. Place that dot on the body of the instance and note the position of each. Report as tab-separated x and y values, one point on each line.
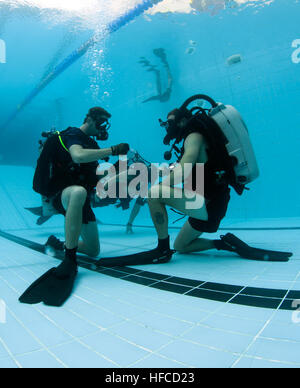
78	53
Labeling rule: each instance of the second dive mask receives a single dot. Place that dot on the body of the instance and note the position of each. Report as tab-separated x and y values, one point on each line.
176	129
171	125
102	126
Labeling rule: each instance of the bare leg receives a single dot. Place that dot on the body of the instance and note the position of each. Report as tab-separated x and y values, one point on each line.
158	87
134	213
159	217
73	199
188	241
90	244
157	206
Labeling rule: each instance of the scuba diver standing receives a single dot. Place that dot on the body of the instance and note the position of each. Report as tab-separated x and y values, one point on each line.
66	175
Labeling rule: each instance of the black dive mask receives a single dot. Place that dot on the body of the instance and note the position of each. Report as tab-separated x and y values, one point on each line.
176	132
102	127
171	126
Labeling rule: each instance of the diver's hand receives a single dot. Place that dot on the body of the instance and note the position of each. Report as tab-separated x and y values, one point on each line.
129	229
120	149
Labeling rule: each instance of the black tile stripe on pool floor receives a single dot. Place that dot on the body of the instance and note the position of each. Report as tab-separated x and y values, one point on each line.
228	293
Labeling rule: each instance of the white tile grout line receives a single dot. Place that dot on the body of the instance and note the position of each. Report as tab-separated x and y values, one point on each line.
101	328
60	328
129	275
172	341
179	337
263	328
134	344
10	354
99	307
154	281
156	353
286	363
43	346
124	339
126	302
166	315
294	259
162	356
6	192
120	247
151	352
55	324
146	309
218	349
77	338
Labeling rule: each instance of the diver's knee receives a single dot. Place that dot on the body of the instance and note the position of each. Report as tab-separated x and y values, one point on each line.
154	193
179	247
78	194
93	252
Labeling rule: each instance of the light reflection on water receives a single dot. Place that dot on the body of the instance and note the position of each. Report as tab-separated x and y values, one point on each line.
91	12
87	14
94	15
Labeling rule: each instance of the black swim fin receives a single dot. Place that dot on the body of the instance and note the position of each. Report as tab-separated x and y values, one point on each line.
37	211
238	246
49	289
41	220
153	256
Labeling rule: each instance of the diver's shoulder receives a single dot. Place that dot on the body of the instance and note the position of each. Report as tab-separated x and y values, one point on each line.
194	136
72	131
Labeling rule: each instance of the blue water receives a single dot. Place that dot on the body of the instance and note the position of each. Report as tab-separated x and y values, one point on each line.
264	86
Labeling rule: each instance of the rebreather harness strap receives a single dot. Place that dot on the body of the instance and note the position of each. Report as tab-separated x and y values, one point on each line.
61	142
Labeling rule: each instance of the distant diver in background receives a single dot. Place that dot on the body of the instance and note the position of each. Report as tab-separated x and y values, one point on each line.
161	96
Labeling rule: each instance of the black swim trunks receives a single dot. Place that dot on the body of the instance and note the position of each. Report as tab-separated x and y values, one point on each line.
87	212
216	210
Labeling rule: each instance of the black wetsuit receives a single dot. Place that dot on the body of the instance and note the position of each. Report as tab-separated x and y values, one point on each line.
216	193
217	196
66	173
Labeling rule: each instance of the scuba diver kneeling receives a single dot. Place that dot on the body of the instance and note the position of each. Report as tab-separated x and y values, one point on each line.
66	176
218	138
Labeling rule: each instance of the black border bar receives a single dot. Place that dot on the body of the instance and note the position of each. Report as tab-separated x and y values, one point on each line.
227	293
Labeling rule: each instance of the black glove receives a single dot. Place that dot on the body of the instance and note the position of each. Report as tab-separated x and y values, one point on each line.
120	149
